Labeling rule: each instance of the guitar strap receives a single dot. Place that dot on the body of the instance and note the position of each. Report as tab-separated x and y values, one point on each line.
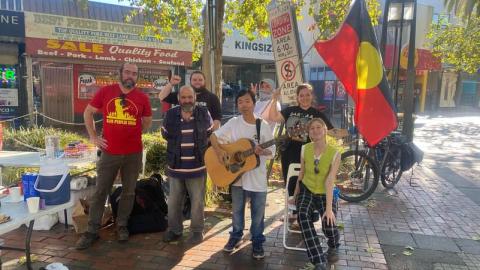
258	122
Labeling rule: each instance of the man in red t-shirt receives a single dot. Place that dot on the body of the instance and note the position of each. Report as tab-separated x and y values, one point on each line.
126	112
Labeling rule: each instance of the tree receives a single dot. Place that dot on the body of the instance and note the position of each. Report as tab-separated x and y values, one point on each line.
250	17
457	44
463	8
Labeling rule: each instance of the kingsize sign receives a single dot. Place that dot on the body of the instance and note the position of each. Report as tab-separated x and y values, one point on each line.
286	51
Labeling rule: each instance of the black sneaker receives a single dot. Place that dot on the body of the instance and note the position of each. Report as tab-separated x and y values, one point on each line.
86	240
257	252
320	266
231	245
122	234
170	236
332	255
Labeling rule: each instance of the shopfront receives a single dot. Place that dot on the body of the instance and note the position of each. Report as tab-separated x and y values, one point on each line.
73	57
12	33
246	61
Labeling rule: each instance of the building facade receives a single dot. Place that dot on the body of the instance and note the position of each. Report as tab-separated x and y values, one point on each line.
12	47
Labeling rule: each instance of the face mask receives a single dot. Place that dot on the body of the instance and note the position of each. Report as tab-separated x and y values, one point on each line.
264	96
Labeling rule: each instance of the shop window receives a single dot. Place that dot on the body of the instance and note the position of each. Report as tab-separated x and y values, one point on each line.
57	90
330	76
8	92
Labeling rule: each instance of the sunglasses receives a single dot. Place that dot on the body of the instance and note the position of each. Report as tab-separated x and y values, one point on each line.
123	100
316	169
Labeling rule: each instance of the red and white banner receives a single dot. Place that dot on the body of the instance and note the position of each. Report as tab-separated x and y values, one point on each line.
106	52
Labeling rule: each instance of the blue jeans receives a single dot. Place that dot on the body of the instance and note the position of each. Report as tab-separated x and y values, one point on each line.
257	207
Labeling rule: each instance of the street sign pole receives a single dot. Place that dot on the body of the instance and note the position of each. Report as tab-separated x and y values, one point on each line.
408	94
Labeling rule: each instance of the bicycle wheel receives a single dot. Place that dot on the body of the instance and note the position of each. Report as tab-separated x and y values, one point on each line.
357	176
391	169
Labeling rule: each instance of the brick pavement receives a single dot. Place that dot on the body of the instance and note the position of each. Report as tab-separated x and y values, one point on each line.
432	212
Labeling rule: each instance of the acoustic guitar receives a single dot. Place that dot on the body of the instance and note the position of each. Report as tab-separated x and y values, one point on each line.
240	158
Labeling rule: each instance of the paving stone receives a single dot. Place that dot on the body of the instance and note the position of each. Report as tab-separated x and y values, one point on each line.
421	259
395	238
435	243
468	246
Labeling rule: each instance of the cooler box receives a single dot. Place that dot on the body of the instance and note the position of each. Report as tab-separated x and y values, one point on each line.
53	182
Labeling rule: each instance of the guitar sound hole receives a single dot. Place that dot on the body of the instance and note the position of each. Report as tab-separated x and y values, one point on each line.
238	158
237	162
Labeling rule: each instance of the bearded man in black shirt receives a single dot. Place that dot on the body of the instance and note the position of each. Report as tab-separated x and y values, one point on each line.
205	98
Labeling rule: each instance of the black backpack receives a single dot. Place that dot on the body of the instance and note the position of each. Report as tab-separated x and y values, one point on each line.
410	154
149	213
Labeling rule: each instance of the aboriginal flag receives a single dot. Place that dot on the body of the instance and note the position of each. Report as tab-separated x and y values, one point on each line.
354	57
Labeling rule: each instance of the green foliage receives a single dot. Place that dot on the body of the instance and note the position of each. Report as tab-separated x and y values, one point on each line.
330	14
163	17
13	138
457	44
250	17
156	158
463	8
156	148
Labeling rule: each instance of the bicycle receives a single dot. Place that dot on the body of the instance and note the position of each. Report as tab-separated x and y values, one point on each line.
358	173
363	166
390	154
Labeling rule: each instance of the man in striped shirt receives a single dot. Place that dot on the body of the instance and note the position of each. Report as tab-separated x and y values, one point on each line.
186	129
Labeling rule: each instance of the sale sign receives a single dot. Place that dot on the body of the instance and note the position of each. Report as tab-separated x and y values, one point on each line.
78	38
106	52
286	51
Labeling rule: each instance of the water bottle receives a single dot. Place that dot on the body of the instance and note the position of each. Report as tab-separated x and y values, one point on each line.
336	193
26	186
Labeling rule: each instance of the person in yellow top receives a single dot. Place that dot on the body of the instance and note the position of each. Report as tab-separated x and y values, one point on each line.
314	191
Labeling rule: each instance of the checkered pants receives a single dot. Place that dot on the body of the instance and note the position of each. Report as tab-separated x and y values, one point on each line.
307	202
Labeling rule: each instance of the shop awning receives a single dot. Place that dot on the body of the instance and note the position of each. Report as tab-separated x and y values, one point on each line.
424	59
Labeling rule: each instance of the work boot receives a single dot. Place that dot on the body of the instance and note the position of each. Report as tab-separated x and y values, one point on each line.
86	240
332	255
170	236
122	234
196	238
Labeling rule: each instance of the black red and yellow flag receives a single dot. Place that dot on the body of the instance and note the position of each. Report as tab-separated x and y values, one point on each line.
354	57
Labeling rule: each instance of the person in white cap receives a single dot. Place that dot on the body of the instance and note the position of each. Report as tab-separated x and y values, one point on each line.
265	94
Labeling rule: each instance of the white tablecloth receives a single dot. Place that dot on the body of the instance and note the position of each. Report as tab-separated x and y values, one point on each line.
19	214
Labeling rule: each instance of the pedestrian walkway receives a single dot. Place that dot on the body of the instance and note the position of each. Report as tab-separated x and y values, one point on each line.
431	224
427	225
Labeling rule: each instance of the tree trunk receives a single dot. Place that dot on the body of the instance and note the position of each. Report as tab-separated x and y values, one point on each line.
219	36
216	88
206	52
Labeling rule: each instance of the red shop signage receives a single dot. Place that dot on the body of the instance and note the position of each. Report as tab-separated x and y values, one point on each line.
106	52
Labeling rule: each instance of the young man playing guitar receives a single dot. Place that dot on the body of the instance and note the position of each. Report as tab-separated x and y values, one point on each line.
252	184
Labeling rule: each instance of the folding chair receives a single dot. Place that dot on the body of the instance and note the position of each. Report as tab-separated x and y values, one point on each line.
293	170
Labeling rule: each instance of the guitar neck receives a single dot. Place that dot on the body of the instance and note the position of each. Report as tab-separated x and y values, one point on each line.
264	145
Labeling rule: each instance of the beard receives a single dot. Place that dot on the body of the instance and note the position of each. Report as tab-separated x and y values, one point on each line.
187	107
128	83
200	89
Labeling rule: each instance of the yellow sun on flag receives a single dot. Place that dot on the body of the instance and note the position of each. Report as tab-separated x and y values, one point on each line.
369	66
